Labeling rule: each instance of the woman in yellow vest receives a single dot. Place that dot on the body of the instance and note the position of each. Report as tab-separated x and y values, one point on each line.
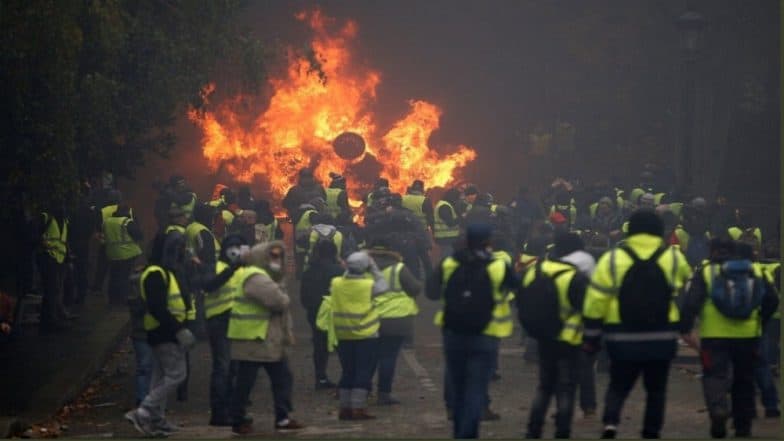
260	333
397	309
166	323
356	323
728	346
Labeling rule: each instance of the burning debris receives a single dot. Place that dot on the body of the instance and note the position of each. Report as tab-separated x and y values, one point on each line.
326	123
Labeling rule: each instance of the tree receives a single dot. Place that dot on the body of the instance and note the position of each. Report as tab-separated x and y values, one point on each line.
96	85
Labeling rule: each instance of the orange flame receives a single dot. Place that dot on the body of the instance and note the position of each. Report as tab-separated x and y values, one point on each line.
305	114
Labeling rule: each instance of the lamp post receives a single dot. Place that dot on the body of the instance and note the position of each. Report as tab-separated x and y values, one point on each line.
691	25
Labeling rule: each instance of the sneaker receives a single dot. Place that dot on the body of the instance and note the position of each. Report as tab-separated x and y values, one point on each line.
139	424
609	432
242	430
288	424
489	415
324	383
772	413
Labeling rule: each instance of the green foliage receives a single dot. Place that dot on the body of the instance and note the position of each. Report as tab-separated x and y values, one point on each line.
96	85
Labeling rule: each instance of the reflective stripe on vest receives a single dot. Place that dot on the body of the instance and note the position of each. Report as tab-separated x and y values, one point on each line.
249	319
221	300
332	201
54	239
414	203
175	303
353	312
119	244
442	230
714	324
394	303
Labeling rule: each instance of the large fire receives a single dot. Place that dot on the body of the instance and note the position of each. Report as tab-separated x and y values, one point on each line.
307	112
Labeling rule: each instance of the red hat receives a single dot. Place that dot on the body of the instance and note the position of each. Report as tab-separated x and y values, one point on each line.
557	218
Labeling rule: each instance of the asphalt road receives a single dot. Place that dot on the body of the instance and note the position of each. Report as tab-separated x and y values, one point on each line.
418	385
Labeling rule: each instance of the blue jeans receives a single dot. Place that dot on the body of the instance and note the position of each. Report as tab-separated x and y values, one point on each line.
763	374
143	354
357	361
223	370
388	351
469	360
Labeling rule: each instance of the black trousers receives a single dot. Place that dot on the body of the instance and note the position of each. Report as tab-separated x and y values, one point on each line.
51	272
320	352
119	285
280	379
623	375
81	264
728	367
558	372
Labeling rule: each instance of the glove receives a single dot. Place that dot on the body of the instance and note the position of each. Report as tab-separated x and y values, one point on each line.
186	339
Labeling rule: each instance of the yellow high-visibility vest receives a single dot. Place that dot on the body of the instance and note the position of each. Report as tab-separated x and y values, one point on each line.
249	320
353	313
119	244
395	303
55	239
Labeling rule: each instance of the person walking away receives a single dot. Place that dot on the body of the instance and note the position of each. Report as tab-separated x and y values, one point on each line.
107	208
323	267
52	231
419	204
473	287
397	309
356	323
447	223
306	189
631	302
267	227
122	236
141	348
323	229
734	302
549	307
165	321
221	292
336	200
260	333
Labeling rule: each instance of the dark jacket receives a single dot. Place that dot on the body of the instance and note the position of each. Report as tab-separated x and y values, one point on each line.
315	283
466	256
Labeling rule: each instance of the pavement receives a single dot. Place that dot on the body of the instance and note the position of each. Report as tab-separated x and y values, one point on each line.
41	373
418	386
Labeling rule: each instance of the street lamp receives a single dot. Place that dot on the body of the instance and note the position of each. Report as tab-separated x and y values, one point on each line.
691	25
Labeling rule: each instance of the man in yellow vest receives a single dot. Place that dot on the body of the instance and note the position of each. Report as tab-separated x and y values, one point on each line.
419	204
356	323
446	227
729	331
260	330
122	237
337	200
550	305
52	228
221	291
165	320
397	309
106	209
473	287
631	302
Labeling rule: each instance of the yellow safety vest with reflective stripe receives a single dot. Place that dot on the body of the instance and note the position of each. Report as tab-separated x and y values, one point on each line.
193	237
178	228
55	239
442	230
221	300
501	324
249	319
175	302
332	201
736	233
414	203
714	324
770	272
395	303
353	313
336	238
572	331
601	299
119	244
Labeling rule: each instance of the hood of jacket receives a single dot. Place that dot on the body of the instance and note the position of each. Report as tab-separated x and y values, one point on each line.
259	256
584	262
324	229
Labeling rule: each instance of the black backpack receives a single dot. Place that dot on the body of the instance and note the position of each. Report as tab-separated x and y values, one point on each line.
645	294
538	308
468	299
